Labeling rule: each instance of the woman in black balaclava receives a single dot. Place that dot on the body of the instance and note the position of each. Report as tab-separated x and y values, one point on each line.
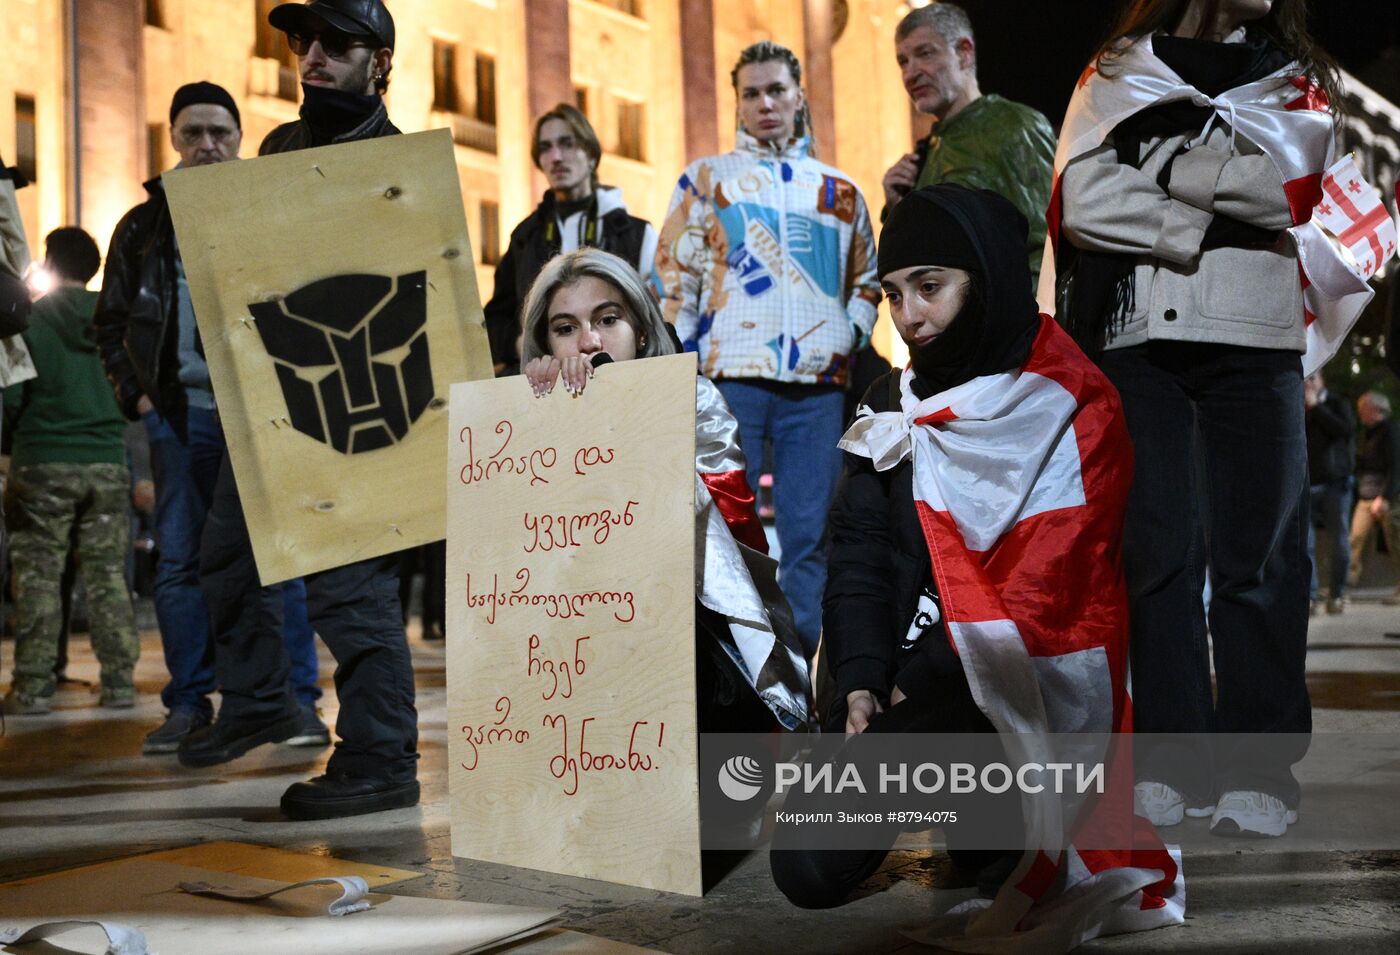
974	544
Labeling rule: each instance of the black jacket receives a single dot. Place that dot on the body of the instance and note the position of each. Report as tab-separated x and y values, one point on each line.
137	332
1331	426
135	318
877	565
1379	453
298	135
621	234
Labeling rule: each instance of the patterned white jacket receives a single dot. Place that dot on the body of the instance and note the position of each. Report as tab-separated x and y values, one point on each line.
766	265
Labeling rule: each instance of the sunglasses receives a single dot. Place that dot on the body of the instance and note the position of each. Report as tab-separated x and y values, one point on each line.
335	43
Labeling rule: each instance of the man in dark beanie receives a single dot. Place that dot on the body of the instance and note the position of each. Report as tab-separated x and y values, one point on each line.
344	49
148	341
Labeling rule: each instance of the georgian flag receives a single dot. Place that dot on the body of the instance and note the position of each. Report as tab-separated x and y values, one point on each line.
1020	483
735	577
1286	115
1353	211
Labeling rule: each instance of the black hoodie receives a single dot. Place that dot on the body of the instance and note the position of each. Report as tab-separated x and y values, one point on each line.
1000	337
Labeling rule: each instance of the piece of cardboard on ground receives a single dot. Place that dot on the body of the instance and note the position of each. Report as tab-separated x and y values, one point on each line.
144	894
531	482
562	941
264	862
377	230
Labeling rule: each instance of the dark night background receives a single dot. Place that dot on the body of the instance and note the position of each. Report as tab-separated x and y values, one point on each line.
1033	50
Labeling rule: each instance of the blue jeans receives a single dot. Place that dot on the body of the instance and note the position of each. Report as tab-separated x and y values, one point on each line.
803	424
184	473
1221	483
1331	501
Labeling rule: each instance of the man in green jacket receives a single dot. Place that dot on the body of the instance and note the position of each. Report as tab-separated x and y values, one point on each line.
68	482
979	141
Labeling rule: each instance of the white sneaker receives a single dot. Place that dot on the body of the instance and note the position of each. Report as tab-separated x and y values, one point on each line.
1244	813
1158	803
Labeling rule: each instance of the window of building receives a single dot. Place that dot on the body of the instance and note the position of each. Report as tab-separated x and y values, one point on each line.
490	232
581	99
630	131
445	77
26	137
486	89
633	8
270	44
155	149
155	13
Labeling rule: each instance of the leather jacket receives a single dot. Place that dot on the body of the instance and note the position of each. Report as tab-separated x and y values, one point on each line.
298	134
135	317
135	320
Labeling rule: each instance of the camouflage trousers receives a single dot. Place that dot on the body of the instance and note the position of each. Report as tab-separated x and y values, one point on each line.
50	508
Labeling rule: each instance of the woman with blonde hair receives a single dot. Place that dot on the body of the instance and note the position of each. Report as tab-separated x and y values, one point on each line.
589	308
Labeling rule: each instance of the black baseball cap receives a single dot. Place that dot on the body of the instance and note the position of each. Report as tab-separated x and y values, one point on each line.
359	17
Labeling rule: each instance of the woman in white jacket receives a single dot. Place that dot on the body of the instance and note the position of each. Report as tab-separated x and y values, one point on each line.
1174	263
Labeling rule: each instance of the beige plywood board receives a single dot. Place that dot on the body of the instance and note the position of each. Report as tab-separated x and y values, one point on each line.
559	941
337	435
571	628
144	894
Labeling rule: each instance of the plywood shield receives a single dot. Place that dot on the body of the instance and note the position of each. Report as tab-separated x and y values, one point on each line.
337	302
571	626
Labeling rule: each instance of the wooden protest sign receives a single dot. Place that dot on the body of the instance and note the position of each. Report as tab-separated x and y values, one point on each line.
337	302
571	626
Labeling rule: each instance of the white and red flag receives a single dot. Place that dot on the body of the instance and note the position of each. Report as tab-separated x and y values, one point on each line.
1286	115
1352	211
1020	482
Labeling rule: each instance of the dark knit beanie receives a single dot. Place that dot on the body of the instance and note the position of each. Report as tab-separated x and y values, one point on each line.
921	232
192	94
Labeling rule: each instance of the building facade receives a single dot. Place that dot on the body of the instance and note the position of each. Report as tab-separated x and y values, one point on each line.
85	91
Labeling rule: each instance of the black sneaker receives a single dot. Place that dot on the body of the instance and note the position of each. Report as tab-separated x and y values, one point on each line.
339	794
230	737
178	724
312	731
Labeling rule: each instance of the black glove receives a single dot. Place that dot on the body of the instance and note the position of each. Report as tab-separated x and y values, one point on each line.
1230	233
14	305
13	174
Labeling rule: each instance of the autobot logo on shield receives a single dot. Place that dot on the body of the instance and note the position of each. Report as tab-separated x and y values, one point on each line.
351	353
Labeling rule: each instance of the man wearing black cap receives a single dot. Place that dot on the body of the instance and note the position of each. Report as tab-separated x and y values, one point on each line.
344	48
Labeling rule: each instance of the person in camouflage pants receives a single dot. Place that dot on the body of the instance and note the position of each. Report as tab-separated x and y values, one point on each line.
49	503
68	487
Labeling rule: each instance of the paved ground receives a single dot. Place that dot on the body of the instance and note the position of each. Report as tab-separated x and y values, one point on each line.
75	789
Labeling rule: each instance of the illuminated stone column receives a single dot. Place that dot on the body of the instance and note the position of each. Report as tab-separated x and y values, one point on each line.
818	24
111	112
547	52
698	76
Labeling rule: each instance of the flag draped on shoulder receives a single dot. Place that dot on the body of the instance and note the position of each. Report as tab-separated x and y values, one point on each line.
1286	115
735	577
1020	482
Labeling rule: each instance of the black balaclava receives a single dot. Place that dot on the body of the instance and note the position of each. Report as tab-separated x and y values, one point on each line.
982	233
